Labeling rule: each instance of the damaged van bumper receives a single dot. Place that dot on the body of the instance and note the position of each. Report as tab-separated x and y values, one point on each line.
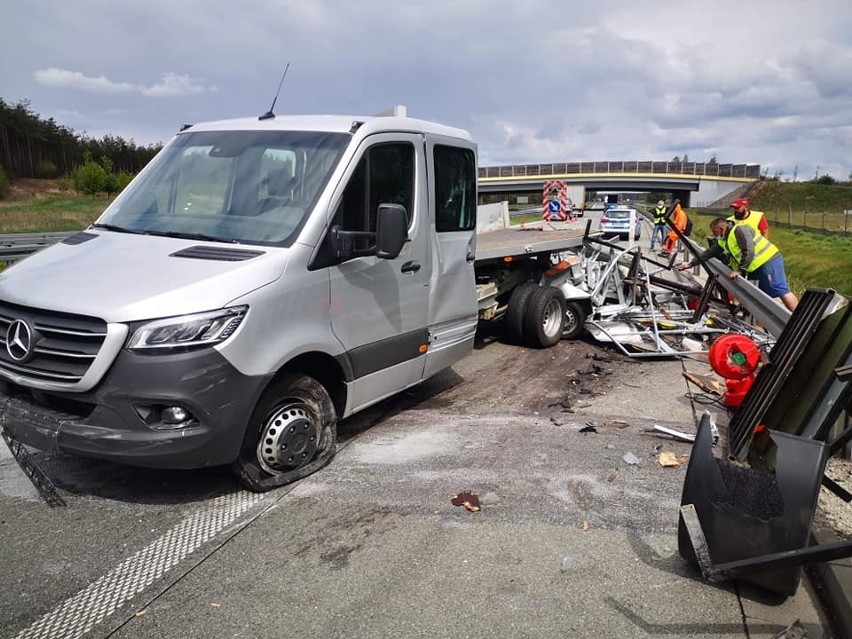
186	410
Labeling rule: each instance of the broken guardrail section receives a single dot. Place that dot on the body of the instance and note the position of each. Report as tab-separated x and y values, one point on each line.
749	515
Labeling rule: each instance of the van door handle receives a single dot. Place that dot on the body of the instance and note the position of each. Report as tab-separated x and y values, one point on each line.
411	266
470	257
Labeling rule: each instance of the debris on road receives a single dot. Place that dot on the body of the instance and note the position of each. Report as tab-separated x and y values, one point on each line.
668	459
674	434
467	499
590	427
708	383
33	471
630	458
794	631
617	423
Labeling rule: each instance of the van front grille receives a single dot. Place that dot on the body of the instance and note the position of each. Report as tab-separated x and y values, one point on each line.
46	345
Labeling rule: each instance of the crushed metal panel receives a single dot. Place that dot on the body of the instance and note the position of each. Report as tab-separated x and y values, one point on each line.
746	513
782	358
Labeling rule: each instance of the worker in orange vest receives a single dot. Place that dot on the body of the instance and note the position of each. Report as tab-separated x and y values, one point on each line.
677	220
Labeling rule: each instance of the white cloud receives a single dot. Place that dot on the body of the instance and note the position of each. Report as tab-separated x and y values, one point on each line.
175	84
763	81
62	79
172	84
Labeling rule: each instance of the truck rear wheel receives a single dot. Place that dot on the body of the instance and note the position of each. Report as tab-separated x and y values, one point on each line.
575	317
516	312
544	320
291	434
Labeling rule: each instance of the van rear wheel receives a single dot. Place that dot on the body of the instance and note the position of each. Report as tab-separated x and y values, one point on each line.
516	312
291	434
544	320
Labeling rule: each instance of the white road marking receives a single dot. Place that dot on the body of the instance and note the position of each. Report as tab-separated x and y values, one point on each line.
81	612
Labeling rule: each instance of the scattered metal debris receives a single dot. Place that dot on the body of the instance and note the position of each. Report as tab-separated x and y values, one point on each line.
676	434
756	525
794	631
32	470
647	310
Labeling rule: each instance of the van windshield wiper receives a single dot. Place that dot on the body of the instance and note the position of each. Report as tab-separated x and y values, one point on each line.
117	229
191	236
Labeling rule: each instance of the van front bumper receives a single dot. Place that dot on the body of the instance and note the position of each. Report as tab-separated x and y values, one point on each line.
108	422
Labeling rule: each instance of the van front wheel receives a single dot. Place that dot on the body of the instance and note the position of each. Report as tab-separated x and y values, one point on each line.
291	434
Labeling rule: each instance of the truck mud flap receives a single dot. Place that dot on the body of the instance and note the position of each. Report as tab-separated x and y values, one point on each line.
743	518
263	483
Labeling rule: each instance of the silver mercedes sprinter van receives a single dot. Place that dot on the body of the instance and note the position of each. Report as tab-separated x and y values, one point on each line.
260	279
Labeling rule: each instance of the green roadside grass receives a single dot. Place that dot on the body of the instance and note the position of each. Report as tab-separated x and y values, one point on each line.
811	260
50	214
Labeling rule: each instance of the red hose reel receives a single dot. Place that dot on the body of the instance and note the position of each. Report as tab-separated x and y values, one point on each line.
736	358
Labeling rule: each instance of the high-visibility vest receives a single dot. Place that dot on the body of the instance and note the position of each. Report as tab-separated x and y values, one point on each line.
764	250
753	219
659	215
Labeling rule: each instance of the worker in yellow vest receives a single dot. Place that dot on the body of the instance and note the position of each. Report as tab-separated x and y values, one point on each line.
660	214
743	215
755	256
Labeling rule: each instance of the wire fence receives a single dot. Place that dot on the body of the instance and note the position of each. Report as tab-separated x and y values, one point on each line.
825	222
836	222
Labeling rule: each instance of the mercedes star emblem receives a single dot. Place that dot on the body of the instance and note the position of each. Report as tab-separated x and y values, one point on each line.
19	340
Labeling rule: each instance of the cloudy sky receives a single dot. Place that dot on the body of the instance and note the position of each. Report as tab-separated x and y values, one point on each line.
750	81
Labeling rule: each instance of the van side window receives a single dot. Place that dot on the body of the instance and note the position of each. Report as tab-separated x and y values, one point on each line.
455	189
385	175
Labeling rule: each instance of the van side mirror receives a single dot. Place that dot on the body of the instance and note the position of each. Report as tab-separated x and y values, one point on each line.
391	230
386	243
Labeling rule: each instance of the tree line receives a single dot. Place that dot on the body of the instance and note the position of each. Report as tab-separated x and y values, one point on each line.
34	147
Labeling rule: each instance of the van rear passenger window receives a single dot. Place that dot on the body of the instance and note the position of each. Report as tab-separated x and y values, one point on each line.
455	189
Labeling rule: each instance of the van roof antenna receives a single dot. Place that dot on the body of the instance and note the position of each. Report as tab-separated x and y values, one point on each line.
269	114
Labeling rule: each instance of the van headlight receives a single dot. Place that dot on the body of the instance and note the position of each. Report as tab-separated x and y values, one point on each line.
186	331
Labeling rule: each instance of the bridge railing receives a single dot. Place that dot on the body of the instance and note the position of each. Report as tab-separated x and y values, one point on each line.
709	169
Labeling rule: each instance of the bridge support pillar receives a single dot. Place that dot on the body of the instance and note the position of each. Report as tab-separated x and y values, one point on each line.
683	196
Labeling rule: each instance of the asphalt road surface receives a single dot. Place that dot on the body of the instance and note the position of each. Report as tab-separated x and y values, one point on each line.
575	536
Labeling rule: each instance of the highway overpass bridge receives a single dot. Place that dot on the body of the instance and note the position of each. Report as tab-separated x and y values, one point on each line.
694	183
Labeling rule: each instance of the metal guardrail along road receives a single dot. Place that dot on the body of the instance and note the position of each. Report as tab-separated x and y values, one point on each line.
17	246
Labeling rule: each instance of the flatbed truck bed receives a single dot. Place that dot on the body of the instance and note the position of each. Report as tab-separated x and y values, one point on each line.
515	286
504	243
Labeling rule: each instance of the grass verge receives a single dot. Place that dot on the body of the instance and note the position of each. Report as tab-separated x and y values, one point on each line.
49	214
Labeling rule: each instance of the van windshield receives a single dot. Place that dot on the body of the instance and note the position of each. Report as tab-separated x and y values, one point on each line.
231	186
